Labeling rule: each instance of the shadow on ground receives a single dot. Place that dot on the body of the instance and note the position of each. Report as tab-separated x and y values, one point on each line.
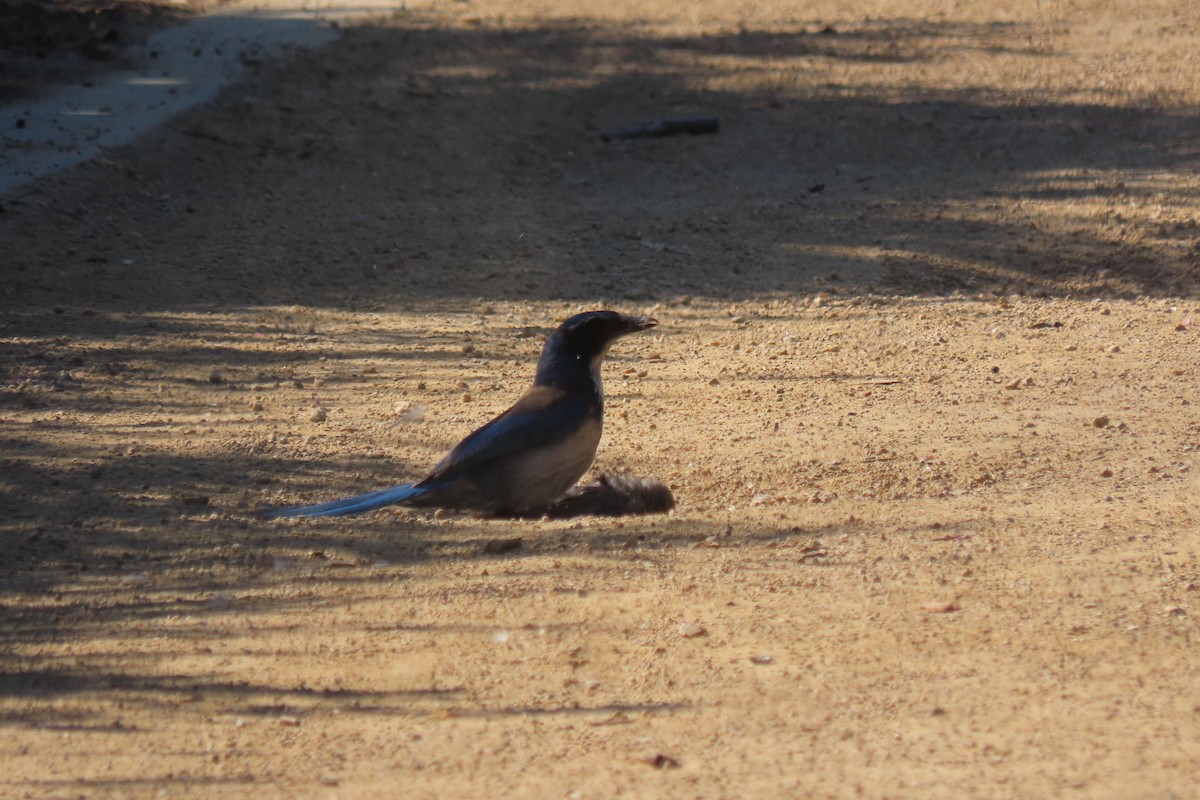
435	163
435	166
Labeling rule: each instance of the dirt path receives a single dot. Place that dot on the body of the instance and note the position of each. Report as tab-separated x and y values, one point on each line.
924	387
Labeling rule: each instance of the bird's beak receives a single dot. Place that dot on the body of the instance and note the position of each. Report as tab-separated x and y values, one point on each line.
641	323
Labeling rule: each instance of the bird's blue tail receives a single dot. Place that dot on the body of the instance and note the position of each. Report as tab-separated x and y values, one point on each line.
351	505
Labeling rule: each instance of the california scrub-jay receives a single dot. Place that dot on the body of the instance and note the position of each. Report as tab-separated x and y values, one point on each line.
526	458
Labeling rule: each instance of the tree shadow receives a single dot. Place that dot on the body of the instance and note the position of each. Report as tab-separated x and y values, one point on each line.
434	167
49	42
438	163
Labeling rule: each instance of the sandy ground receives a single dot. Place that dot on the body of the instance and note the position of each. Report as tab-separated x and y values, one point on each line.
924	387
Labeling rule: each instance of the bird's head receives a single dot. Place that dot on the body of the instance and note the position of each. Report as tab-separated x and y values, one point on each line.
590	333
582	342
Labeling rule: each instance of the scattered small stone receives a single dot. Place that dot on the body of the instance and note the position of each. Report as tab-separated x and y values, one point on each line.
658	760
466	397
1100	422
1116	348
320	415
256	405
714	382
1108	473
1015	383
940	607
1181	327
690	630
216	377
290	722
762	659
815	551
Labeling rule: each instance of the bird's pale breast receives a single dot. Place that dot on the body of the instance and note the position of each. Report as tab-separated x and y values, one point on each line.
542	475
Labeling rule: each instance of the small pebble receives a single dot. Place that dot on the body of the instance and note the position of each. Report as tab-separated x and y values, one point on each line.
216	377
690	630
1116	348
658	760
1015	383
319	415
1100	422
942	607
1108	473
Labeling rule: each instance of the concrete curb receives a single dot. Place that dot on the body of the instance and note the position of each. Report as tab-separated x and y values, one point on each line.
178	67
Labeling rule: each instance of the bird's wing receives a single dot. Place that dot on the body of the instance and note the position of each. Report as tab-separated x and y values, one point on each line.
544	415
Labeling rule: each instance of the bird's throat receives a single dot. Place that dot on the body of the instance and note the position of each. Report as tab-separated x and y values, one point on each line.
597	362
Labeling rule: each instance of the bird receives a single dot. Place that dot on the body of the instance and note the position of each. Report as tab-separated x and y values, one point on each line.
529	456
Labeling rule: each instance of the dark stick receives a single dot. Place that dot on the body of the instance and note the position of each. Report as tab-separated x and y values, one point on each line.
665	127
